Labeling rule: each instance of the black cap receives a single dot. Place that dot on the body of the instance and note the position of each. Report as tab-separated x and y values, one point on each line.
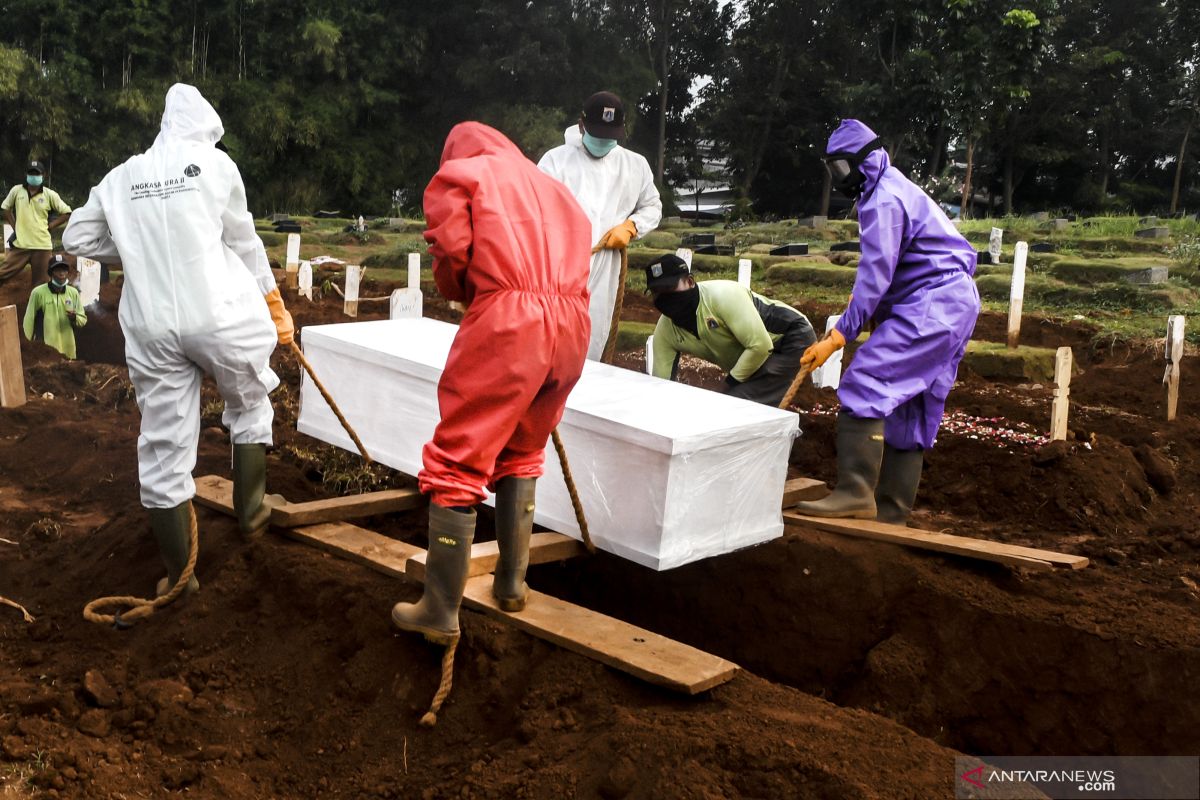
604	116
57	261
36	166
665	271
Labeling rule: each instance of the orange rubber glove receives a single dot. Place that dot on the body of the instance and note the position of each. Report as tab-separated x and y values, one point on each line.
819	353
281	317
619	236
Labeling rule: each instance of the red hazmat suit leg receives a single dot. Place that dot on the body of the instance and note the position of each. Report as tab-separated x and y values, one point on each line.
525	452
500	360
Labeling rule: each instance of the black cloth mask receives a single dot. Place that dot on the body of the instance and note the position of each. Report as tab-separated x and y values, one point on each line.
680	307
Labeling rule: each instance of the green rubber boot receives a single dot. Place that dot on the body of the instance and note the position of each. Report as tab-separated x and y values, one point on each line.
514	525
172	530
859	453
250	502
447	567
898	480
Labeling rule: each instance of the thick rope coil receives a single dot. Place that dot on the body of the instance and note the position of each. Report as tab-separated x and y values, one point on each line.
140	608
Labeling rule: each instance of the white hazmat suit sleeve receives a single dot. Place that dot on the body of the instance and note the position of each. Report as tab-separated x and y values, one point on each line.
87	233
239	235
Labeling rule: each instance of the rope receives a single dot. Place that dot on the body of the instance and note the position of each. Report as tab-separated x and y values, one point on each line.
328	399
140	608
447	683
610	347
575	501
795	387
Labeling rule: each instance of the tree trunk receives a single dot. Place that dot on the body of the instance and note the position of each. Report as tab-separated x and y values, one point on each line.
1179	165
965	203
764	134
664	67
939	149
826	188
1008	183
1104	170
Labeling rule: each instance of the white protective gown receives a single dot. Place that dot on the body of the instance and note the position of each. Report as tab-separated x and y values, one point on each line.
195	273
610	190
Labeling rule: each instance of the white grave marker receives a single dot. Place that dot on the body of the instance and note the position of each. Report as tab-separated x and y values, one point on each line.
686	255
994	243
293	252
1063	364
650	354
1016	295
829	374
409	303
89	281
353	278
8	232
744	267
1175	325
304	279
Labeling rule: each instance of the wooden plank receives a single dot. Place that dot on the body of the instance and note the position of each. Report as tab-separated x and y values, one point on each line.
800	489
359	545
334	509
1013	555
215	492
12	375
544	548
641	653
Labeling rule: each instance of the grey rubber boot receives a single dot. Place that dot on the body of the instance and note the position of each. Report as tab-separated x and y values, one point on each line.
859	453
172	530
514	524
447	566
898	480
253	509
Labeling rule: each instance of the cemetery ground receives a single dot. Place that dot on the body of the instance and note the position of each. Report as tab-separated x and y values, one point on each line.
865	666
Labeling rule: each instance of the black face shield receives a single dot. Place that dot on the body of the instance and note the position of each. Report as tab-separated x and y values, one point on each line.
844	168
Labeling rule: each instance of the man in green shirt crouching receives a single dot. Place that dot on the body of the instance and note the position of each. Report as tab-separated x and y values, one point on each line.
758	341
54	310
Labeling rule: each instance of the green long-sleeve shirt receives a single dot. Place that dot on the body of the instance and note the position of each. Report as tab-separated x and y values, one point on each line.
732	332
58	330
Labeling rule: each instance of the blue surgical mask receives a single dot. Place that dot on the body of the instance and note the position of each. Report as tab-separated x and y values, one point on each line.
33	180
598	147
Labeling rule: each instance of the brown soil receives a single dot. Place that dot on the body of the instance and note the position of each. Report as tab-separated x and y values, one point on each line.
864	663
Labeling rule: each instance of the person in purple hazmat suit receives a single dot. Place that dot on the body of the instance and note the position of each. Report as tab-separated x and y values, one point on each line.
915	281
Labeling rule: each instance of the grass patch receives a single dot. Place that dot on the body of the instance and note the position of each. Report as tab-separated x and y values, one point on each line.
1099	270
996	360
815	274
632	335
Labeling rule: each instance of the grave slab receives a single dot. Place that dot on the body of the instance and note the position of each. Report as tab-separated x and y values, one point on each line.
791	249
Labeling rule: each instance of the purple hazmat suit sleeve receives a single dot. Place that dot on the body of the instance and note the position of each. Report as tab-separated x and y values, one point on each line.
883	222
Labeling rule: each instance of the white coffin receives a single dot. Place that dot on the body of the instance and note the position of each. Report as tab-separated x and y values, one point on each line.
667	473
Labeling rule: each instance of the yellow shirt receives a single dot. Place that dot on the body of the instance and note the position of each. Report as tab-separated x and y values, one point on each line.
32	214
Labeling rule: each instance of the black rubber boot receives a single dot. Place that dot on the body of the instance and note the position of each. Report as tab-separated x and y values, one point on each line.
172	530
253	509
898	480
514	524
859	453
447	566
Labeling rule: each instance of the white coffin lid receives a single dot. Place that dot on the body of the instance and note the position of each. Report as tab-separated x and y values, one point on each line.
661	415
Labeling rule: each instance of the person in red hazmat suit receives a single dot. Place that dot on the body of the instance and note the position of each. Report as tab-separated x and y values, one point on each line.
512	245
198	297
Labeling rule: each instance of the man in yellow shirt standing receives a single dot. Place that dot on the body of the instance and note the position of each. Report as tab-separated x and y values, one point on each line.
54	310
27	209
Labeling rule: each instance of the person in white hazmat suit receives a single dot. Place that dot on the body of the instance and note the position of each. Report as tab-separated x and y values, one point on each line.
198	297
616	190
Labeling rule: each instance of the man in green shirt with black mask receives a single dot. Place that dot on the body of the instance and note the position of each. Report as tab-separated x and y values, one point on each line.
758	341
54	312
27	209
